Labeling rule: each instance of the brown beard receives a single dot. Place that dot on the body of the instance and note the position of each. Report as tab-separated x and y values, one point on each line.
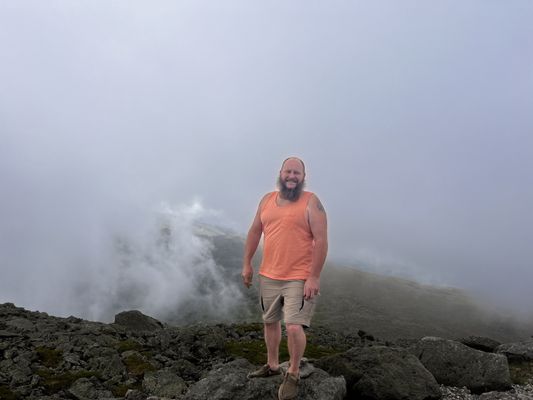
290	194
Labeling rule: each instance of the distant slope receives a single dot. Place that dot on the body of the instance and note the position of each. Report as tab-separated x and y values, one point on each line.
384	306
391	307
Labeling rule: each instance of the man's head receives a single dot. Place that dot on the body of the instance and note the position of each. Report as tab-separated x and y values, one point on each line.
291	180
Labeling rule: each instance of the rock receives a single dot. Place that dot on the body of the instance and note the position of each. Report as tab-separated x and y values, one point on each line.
21	324
229	381
504	396
163	383
480	343
136	321
84	389
7	334
132	394
306	368
380	372
455	364
518	351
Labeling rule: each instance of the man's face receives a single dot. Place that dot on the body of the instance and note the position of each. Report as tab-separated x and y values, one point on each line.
291	179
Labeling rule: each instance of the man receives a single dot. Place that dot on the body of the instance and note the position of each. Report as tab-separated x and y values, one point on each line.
295	245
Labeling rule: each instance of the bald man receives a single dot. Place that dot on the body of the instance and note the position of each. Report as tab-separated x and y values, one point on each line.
295	245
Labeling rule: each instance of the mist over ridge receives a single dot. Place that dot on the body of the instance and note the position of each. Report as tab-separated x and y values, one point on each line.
157	263
414	120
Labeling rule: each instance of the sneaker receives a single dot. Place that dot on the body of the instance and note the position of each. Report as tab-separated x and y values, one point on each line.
289	387
264	372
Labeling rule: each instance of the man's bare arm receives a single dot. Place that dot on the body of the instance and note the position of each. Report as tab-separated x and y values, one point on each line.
319	229
250	246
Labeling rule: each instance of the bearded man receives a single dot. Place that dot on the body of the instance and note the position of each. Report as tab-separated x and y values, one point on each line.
295	245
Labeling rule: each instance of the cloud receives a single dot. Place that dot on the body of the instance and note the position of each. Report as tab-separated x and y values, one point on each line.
414	122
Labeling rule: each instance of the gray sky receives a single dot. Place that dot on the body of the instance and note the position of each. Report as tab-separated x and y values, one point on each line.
414	119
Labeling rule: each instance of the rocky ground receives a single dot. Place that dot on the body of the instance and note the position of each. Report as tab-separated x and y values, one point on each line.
138	357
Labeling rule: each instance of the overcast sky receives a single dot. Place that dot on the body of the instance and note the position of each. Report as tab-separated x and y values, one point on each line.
414	119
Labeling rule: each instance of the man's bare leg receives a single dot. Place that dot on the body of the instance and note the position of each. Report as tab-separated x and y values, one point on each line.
296	342
273	340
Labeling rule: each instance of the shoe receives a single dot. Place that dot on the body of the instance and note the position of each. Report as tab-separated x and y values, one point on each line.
289	387
264	372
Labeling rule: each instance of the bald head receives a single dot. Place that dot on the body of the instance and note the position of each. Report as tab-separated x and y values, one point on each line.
293	159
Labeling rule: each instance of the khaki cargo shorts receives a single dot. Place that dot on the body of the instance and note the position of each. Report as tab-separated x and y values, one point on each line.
285	298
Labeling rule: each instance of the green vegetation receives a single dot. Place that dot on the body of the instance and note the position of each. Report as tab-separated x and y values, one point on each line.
521	372
137	365
255	350
7	394
120	390
128	344
49	357
53	382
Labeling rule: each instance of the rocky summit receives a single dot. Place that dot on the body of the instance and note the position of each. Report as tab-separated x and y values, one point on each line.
139	358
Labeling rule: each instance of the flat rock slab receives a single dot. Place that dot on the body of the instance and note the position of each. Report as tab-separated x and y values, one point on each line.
518	351
229	381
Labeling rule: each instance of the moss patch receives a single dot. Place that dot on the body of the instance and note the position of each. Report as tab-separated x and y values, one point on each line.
521	372
137	365
49	357
120	390
128	344
255	350
54	383
7	394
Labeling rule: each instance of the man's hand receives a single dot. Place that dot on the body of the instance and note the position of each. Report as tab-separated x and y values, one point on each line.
311	288
247	275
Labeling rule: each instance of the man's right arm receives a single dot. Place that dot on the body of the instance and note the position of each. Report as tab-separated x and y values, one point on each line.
250	247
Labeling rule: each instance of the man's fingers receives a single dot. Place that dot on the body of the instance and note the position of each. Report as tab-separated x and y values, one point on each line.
247	280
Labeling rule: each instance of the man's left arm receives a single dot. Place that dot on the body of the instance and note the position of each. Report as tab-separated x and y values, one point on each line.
319	229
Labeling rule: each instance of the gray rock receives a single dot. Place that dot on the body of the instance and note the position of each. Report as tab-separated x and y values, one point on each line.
163	383
85	389
306	368
455	364
504	396
132	394
519	351
229	381
380	372
480	343
22	324
136	321
4	334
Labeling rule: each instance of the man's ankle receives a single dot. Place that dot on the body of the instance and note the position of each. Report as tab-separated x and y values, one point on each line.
295	373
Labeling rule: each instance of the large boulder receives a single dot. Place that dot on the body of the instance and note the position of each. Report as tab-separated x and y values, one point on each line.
163	383
381	372
519	351
229	381
455	364
480	343
135	320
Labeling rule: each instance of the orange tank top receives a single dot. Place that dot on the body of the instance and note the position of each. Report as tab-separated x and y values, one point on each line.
288	241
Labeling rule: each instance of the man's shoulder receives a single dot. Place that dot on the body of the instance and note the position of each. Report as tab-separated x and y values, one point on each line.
308	195
267	196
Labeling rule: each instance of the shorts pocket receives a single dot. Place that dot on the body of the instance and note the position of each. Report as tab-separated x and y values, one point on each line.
307	304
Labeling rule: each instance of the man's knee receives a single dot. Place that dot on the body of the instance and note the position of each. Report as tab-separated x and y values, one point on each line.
294	329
